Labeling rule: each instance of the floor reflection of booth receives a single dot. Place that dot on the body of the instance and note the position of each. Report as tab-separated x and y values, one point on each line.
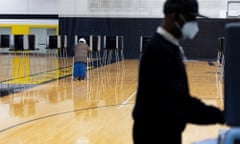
53	46
20	51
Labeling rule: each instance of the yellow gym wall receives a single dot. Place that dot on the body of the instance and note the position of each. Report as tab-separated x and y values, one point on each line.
25	28
20	29
21	62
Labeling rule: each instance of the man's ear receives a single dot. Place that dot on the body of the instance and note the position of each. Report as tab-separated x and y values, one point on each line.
179	19
173	16
177	16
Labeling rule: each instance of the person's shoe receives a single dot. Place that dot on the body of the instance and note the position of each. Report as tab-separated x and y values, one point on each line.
83	78
75	78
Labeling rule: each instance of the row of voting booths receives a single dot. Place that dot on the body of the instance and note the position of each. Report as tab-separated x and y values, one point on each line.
21	42
105	49
18	42
29	42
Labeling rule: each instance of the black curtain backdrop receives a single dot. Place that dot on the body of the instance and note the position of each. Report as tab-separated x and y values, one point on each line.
203	47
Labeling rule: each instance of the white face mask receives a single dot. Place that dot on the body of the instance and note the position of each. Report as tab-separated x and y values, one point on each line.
190	30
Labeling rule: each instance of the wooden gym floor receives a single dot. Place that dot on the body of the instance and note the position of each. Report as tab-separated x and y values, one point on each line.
54	109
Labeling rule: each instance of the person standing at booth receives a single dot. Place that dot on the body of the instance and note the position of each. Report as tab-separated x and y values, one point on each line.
81	51
164	105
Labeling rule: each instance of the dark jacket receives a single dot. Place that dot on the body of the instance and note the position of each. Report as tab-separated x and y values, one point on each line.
163	102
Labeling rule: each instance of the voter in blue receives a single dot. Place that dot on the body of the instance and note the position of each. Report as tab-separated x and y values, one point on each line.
81	51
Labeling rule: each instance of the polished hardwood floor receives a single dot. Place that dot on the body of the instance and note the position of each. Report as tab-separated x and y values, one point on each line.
94	111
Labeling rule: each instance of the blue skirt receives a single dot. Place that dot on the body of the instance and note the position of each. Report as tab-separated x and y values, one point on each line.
80	70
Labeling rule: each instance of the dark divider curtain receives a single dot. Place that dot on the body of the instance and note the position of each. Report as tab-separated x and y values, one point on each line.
131	29
204	46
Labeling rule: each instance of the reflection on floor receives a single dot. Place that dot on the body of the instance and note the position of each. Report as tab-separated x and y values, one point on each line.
42	77
25	69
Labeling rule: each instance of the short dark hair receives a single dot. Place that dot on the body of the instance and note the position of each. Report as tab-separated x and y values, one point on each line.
182	6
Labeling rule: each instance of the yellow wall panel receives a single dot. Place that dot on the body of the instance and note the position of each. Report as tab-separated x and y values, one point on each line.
20	29
25	28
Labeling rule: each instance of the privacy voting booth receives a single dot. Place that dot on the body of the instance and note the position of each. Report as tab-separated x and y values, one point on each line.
143	43
232	75
57	45
231	85
53	41
19	42
113	44
4	41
